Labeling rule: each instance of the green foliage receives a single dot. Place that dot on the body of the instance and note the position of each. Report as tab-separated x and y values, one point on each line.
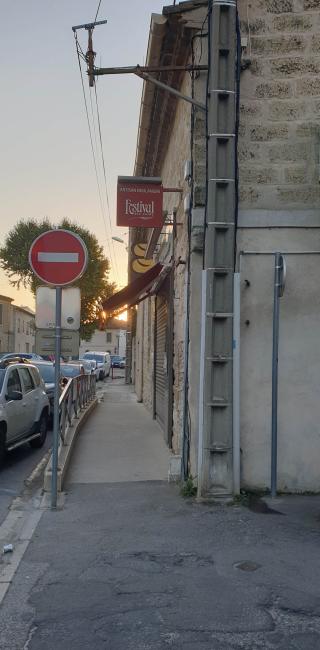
188	488
95	285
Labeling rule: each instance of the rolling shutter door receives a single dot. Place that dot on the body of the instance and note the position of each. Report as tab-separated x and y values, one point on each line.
161	363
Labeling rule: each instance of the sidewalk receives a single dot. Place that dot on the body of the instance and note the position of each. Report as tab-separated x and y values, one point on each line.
128	564
121	442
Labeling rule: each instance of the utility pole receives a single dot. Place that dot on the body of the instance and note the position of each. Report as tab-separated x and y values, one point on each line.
215	468
90	55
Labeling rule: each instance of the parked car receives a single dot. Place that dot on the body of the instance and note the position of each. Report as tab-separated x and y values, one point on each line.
47	372
51	357
72	369
117	361
86	363
94	366
103	362
24	406
22	355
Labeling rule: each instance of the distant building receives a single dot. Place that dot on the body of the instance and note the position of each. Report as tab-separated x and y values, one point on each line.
112	339
17	327
23	329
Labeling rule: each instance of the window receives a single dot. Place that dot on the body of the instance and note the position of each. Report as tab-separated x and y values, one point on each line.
27	347
14	382
23	326
36	376
27	379
27	329
109	337
18	325
1	314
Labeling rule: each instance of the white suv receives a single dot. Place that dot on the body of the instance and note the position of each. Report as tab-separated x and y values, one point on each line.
24	406
103	360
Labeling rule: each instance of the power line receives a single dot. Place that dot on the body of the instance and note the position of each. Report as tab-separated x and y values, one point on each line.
97	11
114	261
92	148
104	172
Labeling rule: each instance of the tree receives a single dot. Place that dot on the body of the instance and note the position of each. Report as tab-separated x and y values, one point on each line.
95	285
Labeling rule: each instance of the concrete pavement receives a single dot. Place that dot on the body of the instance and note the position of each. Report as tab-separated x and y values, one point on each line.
123	444
130	565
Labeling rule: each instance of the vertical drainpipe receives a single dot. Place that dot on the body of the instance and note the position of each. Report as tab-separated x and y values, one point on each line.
236	385
185	419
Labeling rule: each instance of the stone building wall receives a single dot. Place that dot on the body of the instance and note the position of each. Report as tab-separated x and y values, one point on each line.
279	144
280	104
172	173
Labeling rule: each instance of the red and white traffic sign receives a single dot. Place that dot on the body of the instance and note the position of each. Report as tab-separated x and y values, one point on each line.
58	257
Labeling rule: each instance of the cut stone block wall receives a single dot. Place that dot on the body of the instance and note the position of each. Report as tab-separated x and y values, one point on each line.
279	139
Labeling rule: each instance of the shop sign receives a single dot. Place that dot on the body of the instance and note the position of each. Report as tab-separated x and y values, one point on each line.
139	202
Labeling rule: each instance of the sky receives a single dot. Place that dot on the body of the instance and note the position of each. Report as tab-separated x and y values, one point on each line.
46	162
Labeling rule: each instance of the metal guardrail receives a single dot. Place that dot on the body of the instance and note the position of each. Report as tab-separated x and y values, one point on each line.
76	395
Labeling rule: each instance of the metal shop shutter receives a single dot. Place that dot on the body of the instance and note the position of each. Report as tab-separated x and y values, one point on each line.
161	361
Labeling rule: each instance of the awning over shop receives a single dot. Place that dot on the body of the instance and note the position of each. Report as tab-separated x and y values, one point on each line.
134	292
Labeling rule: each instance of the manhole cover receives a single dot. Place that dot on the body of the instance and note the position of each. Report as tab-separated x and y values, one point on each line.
247	566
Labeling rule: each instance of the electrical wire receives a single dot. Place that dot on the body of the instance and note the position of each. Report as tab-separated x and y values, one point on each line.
91	141
105	174
97	11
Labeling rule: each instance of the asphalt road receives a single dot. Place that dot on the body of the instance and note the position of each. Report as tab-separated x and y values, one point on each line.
132	565
18	466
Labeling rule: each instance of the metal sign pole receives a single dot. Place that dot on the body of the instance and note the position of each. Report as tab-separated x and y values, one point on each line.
56	424
279	284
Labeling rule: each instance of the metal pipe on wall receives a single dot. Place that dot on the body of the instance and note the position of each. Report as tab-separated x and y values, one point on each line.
185	422
236	385
201	382
275	351
279	283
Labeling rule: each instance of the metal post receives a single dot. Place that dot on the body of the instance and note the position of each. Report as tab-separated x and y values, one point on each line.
56	427
236	384
203	335
275	349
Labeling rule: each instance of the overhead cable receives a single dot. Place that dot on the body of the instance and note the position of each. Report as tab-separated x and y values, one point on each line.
104	173
97	11
92	146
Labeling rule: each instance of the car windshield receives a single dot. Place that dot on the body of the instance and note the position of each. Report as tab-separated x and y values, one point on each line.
96	357
92	362
26	355
46	372
2	374
70	371
86	363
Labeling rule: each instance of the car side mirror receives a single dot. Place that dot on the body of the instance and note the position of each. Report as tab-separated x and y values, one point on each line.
14	395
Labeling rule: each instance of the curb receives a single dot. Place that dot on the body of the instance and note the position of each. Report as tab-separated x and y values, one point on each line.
17	529
65	451
38	470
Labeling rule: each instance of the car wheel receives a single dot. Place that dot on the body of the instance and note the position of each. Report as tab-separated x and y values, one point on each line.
3	451
101	376
39	442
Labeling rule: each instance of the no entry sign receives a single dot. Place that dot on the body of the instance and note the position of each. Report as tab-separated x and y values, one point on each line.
58	257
